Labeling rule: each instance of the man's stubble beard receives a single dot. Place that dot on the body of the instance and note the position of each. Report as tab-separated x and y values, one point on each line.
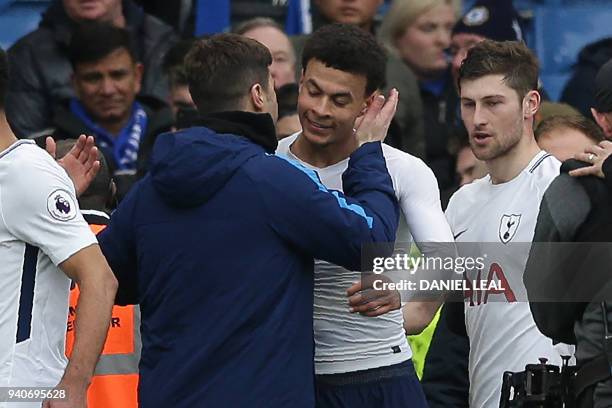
501	146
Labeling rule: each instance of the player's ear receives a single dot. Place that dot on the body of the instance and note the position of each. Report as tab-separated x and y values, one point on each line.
531	104
368	102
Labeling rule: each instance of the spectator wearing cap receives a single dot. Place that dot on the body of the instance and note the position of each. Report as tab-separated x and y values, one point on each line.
419	32
602	109
487	19
271	34
565	136
107	77
40	68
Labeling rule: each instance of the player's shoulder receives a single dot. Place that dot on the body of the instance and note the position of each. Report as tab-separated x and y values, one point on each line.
544	169
404	163
26	164
467	195
21	148
24	157
545	165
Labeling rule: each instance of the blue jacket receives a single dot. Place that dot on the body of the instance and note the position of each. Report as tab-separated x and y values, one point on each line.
217	243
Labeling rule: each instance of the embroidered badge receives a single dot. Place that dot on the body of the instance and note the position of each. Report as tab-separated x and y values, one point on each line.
61	205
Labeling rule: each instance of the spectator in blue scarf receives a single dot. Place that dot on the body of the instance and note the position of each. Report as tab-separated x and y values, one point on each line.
107	77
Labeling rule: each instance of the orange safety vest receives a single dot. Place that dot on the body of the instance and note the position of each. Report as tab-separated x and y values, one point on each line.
115	381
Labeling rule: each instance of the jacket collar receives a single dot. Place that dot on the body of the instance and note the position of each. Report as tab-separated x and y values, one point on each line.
257	127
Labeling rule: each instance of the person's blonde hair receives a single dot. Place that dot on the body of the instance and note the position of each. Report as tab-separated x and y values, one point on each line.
403	13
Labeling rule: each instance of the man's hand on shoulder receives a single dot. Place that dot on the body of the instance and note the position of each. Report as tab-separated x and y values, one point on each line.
374	124
596	155
81	162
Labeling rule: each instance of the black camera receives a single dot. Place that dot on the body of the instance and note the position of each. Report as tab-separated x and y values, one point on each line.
540	385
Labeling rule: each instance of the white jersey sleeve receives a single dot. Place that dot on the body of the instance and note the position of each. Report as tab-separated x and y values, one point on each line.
38	205
419	197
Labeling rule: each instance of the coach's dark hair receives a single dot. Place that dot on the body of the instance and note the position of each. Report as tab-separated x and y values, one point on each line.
93	41
512	59
3	77
348	48
576	122
222	69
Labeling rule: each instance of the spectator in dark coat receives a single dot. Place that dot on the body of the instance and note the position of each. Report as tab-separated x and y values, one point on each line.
580	88
569	285
40	70
106	79
602	101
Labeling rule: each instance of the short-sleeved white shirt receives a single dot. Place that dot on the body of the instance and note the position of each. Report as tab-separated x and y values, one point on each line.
503	335
40	227
347	342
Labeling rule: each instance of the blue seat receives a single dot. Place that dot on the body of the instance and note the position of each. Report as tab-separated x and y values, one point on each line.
18	18
560	34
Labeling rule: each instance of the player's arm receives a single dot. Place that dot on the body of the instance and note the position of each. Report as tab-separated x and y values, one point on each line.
551	276
432	234
326	224
98	286
41	209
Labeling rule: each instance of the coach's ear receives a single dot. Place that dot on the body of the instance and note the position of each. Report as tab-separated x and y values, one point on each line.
531	104
257	97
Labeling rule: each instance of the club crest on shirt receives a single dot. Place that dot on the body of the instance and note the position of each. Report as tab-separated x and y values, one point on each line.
508	226
61	205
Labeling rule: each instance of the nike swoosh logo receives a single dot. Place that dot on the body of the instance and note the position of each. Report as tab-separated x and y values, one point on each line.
459	234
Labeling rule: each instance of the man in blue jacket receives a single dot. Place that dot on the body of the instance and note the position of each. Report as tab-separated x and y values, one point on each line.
217	242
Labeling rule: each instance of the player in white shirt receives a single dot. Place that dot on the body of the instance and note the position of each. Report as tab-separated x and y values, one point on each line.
498	83
360	360
41	232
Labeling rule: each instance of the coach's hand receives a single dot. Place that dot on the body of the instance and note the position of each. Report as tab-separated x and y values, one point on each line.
596	155
374	124
81	162
366	300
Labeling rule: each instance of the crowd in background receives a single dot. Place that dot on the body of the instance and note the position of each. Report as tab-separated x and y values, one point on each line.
115	71
426	41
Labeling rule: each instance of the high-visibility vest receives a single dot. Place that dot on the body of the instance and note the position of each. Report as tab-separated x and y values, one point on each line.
115	381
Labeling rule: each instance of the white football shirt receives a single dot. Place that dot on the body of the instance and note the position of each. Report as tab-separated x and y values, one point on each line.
503	335
40	227
345	341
